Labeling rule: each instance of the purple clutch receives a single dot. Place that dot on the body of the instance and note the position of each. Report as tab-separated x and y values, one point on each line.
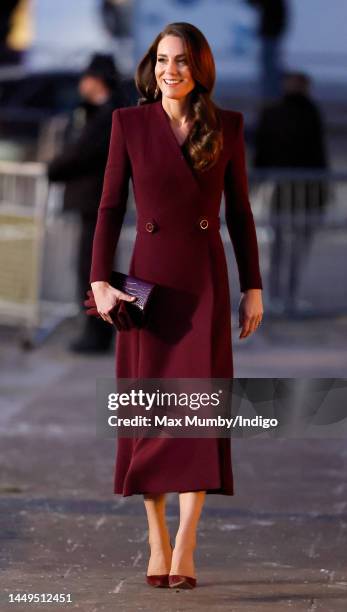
126	314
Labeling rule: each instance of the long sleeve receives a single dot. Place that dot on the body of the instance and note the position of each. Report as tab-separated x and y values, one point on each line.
239	216
112	205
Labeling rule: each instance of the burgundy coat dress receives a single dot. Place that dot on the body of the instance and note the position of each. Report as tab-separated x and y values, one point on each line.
189	335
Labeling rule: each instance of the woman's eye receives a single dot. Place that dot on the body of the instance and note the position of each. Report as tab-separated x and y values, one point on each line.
162	59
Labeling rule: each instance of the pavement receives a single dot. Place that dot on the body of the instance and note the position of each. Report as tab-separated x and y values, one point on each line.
278	544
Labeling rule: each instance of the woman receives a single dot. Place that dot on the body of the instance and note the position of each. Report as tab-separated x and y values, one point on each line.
181	152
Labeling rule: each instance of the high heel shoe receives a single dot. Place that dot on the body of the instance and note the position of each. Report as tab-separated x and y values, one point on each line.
159	580
181	582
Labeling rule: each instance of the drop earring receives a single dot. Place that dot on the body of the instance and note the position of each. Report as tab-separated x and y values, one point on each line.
156	91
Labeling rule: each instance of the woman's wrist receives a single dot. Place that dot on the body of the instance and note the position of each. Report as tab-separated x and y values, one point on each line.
97	284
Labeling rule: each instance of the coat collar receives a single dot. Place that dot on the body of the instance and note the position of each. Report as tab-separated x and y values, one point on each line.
172	141
167	118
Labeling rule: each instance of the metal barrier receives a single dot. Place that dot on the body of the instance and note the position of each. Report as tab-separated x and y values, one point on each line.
301	219
30	232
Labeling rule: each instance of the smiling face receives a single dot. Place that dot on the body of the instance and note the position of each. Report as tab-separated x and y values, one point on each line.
172	72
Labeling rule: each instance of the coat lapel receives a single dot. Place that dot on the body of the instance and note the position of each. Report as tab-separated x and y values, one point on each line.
173	143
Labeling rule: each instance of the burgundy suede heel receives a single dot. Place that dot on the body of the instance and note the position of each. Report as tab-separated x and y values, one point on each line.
159	580
181	582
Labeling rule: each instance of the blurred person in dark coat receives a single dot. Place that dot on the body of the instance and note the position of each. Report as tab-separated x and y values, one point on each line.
290	134
81	166
273	20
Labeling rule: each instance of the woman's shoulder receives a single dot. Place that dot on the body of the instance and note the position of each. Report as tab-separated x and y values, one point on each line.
232	123
230	116
134	119
134	112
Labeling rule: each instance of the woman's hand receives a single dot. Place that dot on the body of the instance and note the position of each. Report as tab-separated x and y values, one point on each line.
107	298
250	312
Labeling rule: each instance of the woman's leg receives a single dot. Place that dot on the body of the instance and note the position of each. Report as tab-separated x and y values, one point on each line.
158	535
191	504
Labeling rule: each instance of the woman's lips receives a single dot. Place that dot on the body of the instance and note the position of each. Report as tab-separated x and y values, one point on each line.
172	84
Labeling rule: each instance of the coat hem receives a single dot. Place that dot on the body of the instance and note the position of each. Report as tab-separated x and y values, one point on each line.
208	492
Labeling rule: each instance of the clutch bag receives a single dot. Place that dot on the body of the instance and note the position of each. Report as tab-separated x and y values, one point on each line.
141	289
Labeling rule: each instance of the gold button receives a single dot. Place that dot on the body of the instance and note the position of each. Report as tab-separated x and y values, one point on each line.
149	227
204	224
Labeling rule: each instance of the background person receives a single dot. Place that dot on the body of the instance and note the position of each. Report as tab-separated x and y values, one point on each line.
81	167
290	134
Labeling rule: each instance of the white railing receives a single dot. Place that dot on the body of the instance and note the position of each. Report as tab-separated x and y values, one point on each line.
37	244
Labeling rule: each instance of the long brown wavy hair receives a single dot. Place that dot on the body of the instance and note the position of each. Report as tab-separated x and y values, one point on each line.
205	140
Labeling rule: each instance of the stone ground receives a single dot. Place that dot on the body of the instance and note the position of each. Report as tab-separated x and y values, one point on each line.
278	544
